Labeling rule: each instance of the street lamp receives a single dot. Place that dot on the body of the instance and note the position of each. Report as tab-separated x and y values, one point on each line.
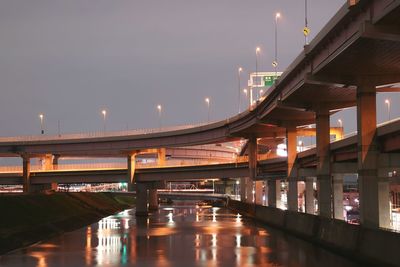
41	117
306	30
387	102
301	146
159	108
208	108
275	62
239	71
245	92
104	112
251	91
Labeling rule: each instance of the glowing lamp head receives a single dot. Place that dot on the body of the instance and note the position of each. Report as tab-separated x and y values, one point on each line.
240	69
387	101
104	112
245	91
277	15
207	100
41	116
159	107
258	50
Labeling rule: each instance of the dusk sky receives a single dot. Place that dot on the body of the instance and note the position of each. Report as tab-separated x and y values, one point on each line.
70	59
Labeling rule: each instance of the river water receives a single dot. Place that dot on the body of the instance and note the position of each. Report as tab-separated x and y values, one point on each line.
183	234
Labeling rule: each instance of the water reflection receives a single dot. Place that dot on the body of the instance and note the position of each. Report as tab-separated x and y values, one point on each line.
180	235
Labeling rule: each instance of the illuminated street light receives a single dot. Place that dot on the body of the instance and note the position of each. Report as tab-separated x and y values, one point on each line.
275	62
239	71
104	112
159	108
340	123
256	78
41	117
208	108
387	102
245	92
306	30
301	148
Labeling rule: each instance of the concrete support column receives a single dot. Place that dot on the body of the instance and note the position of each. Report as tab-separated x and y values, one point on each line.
161	154
131	171
141	199
324	183
26	174
309	195
274	193
374	194
243	189
249	187
55	161
291	147
153	199
259	192
252	157
338	196
47	162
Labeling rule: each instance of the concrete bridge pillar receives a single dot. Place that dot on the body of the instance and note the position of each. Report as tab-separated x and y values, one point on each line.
141	199
338	196
259	192
252	157
324	183
131	171
309	195
374	205
291	147
55	161
153	199
26	173
161	155
274	193
249	187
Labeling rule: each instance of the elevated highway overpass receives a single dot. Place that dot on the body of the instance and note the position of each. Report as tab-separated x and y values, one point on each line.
355	56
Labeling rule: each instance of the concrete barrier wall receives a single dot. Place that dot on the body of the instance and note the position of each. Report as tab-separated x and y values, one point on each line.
370	246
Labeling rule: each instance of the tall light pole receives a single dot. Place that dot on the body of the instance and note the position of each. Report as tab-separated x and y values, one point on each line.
256	78
104	112
41	117
208	108
239	71
387	102
245	92
306	30
159	108
275	62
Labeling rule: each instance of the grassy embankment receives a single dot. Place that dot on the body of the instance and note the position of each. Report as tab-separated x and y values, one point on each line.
29	218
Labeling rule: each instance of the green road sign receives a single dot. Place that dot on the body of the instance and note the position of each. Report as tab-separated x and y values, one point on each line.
269	80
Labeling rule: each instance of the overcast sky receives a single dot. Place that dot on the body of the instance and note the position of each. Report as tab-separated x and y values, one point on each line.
69	59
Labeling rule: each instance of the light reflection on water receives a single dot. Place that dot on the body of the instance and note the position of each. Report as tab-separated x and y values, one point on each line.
180	235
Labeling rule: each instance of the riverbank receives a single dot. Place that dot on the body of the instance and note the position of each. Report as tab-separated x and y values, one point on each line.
371	247
29	218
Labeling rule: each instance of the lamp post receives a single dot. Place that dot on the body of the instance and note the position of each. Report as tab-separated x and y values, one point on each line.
387	102
41	117
104	112
159	108
275	62
306	30
245	92
256	78
239	71
208	108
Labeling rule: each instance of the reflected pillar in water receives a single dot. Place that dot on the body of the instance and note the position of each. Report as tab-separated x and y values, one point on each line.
309	195
338	196
153	199
141	199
